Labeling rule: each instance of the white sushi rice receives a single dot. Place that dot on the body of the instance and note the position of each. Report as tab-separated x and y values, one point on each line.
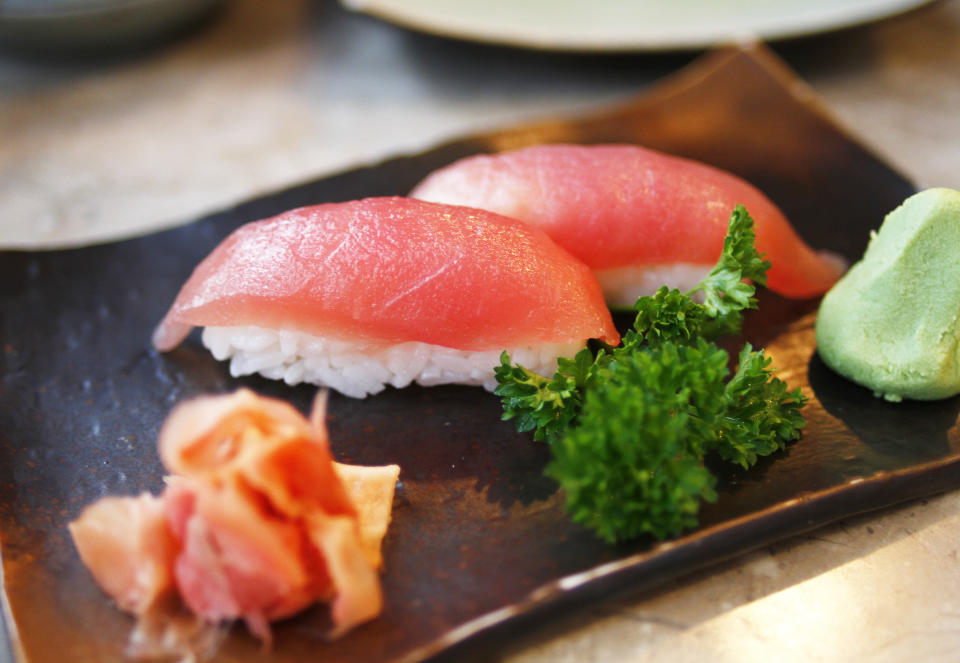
623	285
354	370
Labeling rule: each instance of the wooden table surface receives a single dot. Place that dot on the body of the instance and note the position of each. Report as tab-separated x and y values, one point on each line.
268	94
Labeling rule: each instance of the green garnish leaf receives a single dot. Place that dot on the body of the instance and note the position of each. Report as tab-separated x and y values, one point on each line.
629	427
668	315
762	414
631	466
545	406
725	293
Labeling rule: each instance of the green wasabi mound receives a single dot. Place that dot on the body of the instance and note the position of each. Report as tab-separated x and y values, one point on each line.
892	322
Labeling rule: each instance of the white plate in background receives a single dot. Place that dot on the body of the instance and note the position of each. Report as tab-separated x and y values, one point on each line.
627	25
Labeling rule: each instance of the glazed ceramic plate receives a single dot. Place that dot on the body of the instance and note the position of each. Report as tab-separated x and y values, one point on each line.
622	25
480	547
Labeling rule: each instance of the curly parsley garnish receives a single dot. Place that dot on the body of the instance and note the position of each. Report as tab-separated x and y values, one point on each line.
629	426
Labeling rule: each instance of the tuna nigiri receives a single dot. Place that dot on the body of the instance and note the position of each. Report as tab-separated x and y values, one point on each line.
637	217
381	291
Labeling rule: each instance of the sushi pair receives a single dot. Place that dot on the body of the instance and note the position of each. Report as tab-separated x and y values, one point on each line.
510	252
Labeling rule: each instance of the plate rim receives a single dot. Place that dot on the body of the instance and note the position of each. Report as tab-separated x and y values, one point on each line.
558	594
401	13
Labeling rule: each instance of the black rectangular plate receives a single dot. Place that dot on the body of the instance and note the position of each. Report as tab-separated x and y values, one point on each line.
479	541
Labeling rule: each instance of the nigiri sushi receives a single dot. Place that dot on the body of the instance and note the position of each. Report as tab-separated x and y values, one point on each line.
638	218
366	293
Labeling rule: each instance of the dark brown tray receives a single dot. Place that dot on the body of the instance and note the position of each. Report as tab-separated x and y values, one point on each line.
479	548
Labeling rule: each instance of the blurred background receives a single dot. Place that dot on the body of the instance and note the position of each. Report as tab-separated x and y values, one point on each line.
137	116
116	124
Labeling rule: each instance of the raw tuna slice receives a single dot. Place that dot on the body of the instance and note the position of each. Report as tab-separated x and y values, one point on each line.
637	217
381	291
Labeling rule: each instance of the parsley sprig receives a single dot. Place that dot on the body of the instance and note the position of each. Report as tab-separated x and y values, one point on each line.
629	426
